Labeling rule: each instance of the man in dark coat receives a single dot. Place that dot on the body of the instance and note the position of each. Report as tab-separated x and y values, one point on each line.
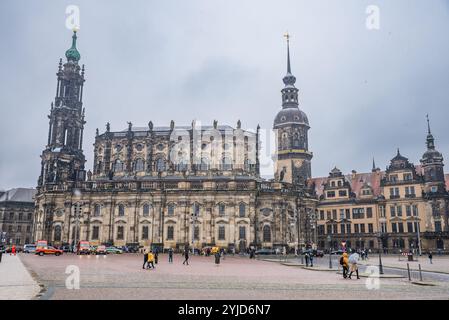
145	258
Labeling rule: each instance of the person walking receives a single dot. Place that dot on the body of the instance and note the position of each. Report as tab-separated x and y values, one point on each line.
430	257
150	263
145	258
353	260
306	256
186	257
217	258
311	259
170	255
13	250
345	264
156	255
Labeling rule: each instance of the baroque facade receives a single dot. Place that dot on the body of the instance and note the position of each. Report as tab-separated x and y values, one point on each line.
172	186
404	208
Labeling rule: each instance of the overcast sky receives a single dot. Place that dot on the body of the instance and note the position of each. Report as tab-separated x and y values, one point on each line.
366	92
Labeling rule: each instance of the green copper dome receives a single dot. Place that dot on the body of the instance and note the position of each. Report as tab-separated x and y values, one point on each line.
72	54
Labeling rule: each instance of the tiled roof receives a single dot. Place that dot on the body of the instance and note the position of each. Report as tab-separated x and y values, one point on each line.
358	180
19	195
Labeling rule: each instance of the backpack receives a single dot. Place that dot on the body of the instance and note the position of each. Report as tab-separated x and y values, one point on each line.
341	260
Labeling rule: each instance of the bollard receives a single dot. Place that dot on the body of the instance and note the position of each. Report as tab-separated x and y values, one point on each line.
408	271
420	272
302	259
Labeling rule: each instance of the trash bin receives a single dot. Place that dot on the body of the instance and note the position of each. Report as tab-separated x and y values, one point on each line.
410	257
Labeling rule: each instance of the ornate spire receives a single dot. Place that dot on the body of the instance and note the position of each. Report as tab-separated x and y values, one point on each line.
289	92
72	54
430	140
374	165
289	78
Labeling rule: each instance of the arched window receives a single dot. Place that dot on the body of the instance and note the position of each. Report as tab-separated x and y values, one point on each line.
266	233
118	166
171	209
160	165
146	210
242	210
333	184
97	210
221	209
121	210
139	165
182	166
58	231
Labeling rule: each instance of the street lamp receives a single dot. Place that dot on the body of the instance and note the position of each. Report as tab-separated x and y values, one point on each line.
380	243
419	236
329	239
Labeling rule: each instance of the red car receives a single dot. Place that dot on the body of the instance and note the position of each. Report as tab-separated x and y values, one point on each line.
48	250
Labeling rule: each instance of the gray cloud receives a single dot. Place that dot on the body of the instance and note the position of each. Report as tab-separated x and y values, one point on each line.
365	92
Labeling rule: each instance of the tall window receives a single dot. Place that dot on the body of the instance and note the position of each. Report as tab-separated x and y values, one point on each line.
20	216
196	209
356	228
57	233
342	227
118	166
139	165
369	212
400	227
160	165
120	233
170	232
145	233
370	228
242	209
415	210
226	163
410	227
408	210
95	232
221	233
394	227
393	211
97	210
242	232
196	233
399	210
171	209
146	210
221	209
29	216
121	210
266	233
438	226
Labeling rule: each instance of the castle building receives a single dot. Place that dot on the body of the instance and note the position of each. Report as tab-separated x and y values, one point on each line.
172	186
404	208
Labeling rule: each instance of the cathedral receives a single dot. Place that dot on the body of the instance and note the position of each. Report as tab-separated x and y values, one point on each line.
172	186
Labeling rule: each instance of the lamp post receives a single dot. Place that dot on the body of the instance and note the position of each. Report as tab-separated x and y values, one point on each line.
329	239
381	269
419	236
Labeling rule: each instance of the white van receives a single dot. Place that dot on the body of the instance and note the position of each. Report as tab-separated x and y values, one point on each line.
29	248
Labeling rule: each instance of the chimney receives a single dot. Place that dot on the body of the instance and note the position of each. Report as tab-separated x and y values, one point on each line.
353	174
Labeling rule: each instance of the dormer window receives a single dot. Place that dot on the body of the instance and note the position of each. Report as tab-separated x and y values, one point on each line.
342	193
407	176
393	178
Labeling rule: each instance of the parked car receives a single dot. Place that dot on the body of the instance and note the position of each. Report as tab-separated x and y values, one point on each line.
100	250
83	247
48	250
265	251
66	248
113	250
29	248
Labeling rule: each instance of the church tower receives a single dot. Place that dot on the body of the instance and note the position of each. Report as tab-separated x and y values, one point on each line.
293	159
63	159
432	165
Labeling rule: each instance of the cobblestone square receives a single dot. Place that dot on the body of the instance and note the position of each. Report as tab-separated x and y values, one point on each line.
237	277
